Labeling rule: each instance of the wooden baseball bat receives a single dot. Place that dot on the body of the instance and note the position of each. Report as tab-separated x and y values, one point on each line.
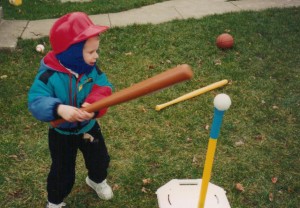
160	81
193	94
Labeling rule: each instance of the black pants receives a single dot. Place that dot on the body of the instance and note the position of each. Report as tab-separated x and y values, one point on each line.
63	149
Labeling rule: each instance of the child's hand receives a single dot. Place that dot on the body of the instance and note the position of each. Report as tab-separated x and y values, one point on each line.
84	105
72	114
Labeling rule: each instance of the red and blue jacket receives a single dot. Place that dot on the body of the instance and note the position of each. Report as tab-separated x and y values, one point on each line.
54	85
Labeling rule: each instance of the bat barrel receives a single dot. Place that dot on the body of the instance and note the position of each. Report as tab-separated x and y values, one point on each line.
160	81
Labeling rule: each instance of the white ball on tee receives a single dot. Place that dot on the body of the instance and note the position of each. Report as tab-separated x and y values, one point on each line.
222	102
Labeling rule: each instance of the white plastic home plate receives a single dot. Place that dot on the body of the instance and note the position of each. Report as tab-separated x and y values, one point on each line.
185	193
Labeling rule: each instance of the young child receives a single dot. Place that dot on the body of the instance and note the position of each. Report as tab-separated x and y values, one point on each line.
67	81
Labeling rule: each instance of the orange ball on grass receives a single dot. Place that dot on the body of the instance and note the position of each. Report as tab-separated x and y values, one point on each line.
225	41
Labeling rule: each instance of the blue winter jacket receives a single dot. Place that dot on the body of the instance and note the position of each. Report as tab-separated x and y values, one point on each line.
54	85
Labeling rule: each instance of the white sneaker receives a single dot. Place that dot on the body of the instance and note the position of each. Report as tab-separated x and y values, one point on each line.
103	190
51	205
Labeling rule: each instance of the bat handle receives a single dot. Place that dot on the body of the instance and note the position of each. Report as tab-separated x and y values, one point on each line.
164	105
161	106
57	122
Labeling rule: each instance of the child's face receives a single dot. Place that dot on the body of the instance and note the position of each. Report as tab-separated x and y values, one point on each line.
90	48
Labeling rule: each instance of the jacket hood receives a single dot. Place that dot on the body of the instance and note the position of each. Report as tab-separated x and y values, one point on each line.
51	62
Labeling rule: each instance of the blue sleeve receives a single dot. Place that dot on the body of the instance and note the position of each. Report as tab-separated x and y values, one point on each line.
44	108
41	101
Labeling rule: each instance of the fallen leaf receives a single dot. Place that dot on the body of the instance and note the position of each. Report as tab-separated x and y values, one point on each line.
151	67
13	156
146	181
274	180
200	63
239	143
144	109
189	140
128	54
206	127
290	190
16	193
195	160
144	190
154	165
218	62
239	187
275	107
271	197
258	137
115	187
3	77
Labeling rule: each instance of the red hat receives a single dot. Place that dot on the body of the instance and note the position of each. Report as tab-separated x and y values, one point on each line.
72	28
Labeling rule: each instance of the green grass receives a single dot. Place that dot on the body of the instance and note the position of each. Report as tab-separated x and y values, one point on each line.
44	9
264	69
